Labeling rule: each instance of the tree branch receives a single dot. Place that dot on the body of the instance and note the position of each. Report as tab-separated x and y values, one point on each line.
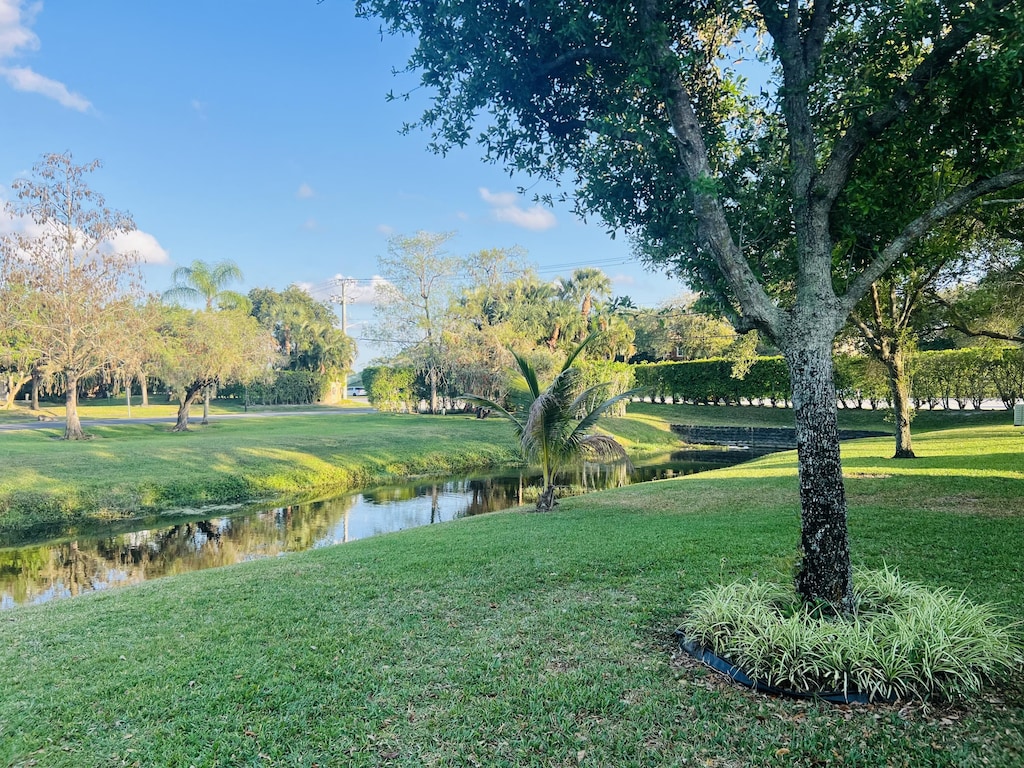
849	147
959	323
920	226
713	226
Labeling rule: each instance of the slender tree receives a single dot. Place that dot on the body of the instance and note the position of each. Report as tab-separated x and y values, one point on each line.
206	283
420	276
202	349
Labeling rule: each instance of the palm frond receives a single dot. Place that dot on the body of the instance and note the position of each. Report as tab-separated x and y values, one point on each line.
576	352
603	447
529	374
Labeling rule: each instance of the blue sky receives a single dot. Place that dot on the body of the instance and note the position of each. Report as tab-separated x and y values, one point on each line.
259	132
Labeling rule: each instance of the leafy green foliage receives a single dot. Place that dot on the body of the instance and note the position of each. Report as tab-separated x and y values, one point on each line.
285	388
305	330
904	641
390	390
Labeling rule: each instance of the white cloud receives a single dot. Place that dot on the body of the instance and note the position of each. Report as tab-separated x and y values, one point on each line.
304	192
310	224
505	207
146	245
15	36
143	243
199	107
25	79
623	280
386	230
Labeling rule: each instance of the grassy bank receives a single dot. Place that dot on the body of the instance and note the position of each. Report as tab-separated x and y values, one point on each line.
519	639
139	469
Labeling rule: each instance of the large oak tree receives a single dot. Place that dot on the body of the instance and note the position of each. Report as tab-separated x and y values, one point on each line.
642	106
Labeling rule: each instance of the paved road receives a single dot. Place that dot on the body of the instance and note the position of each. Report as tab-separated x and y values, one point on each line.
86	423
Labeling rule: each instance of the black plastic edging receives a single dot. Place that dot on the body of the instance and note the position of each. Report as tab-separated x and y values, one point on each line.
726	667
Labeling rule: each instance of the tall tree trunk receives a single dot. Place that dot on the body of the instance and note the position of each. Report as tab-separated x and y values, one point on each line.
35	389
432	376
72	424
206	404
128	394
899	387
825	574
144	387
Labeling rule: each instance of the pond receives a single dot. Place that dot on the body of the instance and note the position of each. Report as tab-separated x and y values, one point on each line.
69	566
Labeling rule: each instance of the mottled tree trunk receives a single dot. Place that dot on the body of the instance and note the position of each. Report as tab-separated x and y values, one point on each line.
144	389
184	405
72	424
899	387
825	574
432	377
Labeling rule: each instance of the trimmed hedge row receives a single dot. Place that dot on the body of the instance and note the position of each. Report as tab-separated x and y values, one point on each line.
966	377
962	376
969	376
711	381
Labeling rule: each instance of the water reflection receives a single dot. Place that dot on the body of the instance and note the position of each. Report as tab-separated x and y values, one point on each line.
39	573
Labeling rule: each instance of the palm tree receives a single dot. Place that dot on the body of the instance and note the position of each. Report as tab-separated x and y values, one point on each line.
205	282
586	285
554	425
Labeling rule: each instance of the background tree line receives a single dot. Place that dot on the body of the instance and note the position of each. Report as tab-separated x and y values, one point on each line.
481	308
74	319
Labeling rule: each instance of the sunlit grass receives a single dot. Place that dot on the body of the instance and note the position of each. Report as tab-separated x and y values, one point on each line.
117	408
136	469
512	639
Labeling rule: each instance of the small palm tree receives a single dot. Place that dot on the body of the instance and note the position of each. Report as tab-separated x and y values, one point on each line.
554	425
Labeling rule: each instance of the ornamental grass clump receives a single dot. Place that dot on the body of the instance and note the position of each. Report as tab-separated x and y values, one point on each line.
903	641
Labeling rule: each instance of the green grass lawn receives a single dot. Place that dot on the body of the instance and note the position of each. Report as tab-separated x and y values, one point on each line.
520	639
138	469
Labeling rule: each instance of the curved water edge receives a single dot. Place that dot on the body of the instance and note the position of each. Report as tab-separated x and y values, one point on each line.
190	540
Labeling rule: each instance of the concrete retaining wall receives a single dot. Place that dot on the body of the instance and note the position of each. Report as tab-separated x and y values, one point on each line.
777	438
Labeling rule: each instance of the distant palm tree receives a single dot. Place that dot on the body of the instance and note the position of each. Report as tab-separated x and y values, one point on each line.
554	425
586	285
206	283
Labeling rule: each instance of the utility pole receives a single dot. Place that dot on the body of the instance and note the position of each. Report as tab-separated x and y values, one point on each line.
343	283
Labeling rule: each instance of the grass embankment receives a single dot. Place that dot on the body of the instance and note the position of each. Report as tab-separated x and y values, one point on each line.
519	639
117	408
134	470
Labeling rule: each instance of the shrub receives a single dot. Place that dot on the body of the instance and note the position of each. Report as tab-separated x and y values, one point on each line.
904	641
